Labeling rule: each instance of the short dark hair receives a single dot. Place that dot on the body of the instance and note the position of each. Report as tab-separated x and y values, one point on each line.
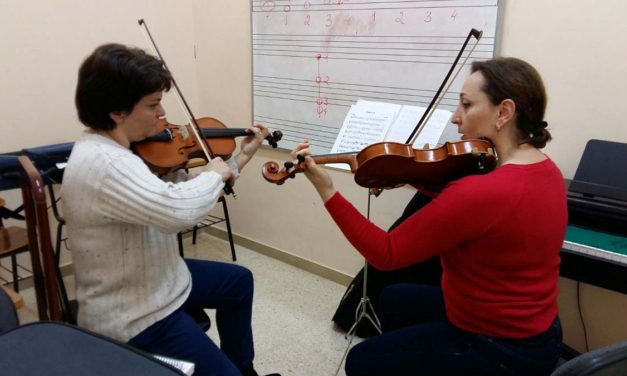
515	79
114	78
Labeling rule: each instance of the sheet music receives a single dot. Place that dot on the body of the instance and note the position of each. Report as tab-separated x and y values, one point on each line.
406	121
185	367
370	122
366	123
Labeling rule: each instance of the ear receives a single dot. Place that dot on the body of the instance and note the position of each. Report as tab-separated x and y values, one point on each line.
117	117
507	112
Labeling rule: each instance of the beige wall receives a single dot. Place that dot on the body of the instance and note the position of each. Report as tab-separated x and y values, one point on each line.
577	46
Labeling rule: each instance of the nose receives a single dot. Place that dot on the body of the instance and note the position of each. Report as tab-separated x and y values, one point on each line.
160	111
456	118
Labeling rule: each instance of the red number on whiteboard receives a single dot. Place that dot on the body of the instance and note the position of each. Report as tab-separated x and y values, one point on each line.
428	17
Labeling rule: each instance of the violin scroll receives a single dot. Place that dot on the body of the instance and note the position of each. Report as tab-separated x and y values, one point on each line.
273	173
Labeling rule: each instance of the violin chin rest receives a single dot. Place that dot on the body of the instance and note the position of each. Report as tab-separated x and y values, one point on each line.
195	162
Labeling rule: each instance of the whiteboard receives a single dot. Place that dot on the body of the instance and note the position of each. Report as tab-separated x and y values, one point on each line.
313	59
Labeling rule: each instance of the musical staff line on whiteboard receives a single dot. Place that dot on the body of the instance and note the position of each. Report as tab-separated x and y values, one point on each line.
347	102
386	51
349	92
315	133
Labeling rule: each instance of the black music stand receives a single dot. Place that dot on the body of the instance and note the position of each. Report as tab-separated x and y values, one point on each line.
361	313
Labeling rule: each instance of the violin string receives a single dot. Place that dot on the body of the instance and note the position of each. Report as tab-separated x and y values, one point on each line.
450	82
186	111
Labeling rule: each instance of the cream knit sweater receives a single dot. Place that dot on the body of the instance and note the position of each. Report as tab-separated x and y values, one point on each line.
121	223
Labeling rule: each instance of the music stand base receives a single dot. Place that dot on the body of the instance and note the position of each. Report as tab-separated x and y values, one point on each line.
361	313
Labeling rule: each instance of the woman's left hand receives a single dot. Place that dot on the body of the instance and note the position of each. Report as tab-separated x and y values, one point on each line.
251	143
319	177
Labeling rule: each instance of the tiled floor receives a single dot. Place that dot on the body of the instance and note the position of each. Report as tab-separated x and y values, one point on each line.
292	312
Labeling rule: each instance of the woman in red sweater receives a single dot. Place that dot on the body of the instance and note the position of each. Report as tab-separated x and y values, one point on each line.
499	236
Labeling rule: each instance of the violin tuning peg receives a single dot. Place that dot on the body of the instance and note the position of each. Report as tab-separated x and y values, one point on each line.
288	165
301	158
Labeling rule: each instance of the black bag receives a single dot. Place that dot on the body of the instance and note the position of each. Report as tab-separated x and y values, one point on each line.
425	272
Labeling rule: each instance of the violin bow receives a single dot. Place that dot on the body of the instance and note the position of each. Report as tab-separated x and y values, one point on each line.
183	103
435	102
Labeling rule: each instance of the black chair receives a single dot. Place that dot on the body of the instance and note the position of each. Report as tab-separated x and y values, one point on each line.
42	348
210	220
606	361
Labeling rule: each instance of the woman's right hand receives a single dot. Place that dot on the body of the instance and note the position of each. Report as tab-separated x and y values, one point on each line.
218	165
318	176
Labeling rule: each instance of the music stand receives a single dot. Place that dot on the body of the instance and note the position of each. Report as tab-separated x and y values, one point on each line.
361	312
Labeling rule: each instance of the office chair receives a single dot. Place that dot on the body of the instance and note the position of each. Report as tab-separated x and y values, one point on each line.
42	348
606	361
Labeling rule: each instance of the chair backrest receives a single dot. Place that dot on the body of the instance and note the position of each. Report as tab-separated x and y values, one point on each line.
47	159
40	243
9	177
606	361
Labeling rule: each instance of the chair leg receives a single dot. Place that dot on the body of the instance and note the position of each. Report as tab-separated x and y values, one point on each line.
16	286
179	237
57	247
194	234
228	229
65	301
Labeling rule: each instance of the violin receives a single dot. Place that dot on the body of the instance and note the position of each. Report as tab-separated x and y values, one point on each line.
392	164
172	148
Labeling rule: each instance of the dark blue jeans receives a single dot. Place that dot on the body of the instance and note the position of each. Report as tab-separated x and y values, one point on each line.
228	289
418	339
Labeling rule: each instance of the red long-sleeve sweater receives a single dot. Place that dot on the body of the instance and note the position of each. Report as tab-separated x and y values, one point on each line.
499	236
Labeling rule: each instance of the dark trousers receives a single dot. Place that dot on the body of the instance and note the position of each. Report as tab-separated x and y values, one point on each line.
418	339
228	289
